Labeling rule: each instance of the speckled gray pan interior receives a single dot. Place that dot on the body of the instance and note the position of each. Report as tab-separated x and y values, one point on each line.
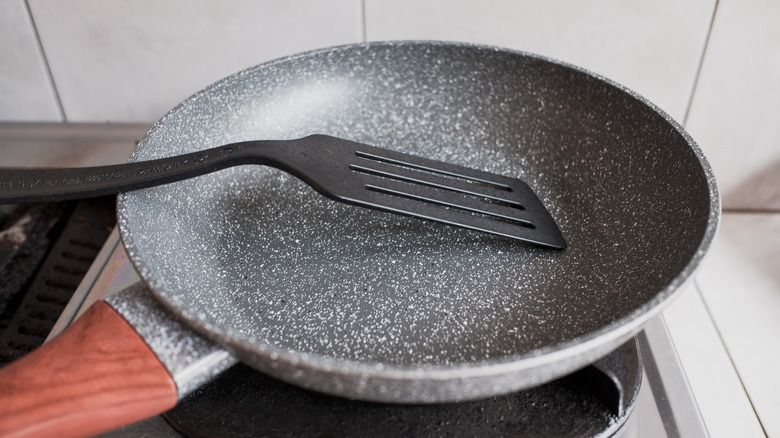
372	305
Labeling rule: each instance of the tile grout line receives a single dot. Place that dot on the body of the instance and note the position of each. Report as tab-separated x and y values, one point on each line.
701	64
728	354
57	98
363	31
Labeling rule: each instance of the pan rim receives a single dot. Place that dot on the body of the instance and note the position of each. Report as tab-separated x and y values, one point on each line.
586	344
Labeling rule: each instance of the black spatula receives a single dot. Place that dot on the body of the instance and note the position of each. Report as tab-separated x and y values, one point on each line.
339	169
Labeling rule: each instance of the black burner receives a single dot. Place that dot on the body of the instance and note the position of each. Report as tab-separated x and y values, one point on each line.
45	250
245	403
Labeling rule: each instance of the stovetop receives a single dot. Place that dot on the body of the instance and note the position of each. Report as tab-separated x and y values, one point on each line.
664	404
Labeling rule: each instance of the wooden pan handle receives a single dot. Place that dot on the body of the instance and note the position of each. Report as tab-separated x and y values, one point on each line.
96	376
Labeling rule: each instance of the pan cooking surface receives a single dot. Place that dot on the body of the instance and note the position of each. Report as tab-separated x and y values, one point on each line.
260	262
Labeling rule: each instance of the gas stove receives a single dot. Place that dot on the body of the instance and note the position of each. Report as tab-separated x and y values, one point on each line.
638	390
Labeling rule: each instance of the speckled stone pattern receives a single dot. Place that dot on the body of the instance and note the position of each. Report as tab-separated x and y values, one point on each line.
190	359
376	306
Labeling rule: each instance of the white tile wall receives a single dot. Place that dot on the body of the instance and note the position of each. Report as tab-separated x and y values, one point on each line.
723	402
133	61
652	47
25	90
740	283
735	115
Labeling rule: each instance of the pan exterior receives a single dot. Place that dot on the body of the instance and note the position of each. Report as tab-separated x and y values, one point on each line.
375	306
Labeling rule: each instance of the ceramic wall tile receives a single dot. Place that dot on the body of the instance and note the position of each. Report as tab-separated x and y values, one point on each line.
133	61
25	89
722	401
67	144
740	283
653	47
736	108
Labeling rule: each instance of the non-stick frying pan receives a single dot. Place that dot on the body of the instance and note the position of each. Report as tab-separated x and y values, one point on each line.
371	305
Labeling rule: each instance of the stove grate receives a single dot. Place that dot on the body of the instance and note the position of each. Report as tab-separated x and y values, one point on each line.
46	250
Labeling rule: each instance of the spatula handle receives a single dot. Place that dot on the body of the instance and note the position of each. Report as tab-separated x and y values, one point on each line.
44	185
96	376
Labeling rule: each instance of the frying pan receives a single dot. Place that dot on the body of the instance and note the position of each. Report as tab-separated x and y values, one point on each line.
375	306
